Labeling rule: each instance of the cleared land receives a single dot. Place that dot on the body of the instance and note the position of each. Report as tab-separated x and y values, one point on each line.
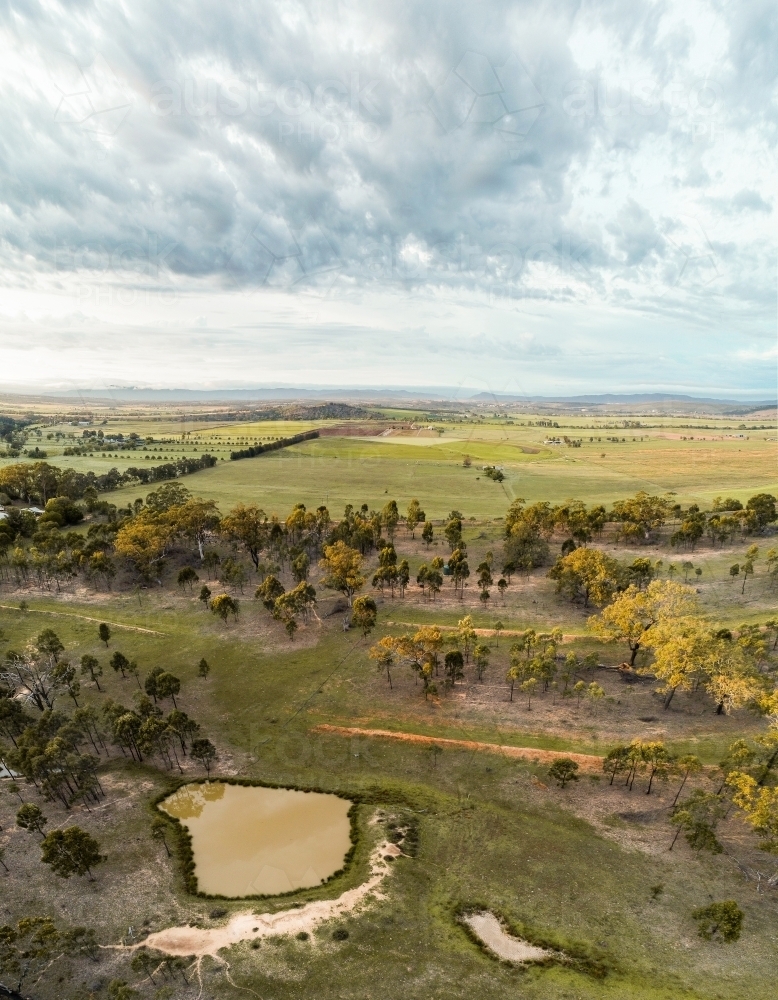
336	471
697	459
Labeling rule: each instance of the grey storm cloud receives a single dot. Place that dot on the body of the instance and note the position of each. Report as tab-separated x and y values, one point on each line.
360	147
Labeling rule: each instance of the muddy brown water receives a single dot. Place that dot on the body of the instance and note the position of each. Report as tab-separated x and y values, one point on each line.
249	840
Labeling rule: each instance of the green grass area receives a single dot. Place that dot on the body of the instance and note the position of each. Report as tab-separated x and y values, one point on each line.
337	471
489	835
351	469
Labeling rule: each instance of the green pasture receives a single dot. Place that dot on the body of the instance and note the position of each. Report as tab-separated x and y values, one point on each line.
493	831
716	457
336	471
488	836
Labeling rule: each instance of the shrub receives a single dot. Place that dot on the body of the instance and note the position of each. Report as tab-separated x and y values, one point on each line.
724	919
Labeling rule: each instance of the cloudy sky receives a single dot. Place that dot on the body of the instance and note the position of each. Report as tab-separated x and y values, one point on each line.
511	196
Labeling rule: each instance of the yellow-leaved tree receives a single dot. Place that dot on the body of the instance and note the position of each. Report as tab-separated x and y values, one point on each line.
759	805
633	612
342	566
687	653
586	574
143	541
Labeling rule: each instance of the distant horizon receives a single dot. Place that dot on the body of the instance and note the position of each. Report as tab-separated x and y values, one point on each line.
280	392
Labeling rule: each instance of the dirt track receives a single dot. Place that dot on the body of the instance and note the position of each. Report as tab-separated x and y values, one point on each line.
86	618
507	632
586	761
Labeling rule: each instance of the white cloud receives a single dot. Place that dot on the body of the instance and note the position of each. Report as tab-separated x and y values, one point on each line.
425	194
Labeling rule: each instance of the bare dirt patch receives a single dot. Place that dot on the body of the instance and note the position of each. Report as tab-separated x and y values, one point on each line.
585	761
490	932
247	925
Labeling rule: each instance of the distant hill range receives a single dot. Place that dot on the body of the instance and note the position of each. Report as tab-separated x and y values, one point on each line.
606	398
319	403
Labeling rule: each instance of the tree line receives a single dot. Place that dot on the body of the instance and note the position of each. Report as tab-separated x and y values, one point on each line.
144	535
39	482
260	449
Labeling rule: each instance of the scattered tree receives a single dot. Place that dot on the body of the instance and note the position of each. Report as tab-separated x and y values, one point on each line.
168	686
187	577
205	752
453	667
64	675
481	659
414	516
31	817
383	652
759	805
71	851
118	989
697	818
634	612
528	687
342	564
724	919
586	574
223	606
120	663
563	770
90	666
616	761
269	591
159	830
27	949
364	614
686	765
465	636
249	526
